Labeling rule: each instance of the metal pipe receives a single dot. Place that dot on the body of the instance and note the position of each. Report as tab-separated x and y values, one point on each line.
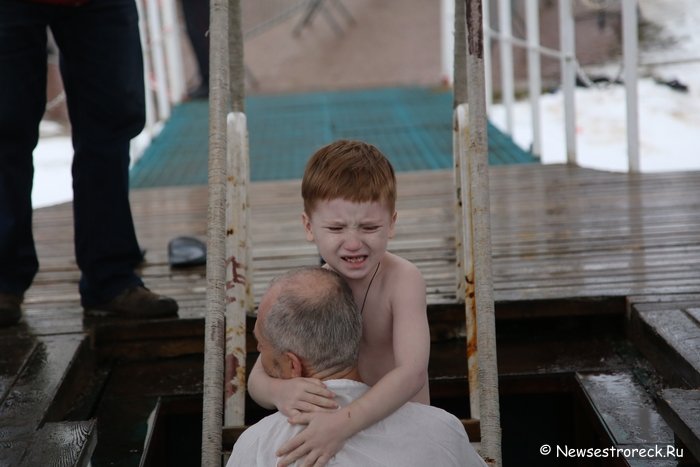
488	71
237	279
506	54
481	228
173	52
568	76
532	18
214	333
630	51
156	40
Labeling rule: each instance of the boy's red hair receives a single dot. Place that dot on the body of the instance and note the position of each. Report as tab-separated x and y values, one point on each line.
350	170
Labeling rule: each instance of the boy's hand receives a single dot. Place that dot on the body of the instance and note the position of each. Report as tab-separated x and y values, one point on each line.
304	395
322	438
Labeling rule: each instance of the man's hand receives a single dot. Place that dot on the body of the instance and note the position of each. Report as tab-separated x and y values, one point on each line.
322	438
300	395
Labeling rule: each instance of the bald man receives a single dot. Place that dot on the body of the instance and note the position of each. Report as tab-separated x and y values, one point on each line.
308	326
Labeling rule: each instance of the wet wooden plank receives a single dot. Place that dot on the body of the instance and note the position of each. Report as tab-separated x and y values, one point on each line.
624	409
32	394
62	444
14	352
671	340
681	410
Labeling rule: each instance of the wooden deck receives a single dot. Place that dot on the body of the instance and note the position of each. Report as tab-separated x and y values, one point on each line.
557	233
613	251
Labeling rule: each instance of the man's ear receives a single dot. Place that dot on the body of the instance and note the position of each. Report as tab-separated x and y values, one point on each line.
392	225
306	220
292	367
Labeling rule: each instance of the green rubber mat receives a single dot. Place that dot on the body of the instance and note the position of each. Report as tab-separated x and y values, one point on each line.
412	126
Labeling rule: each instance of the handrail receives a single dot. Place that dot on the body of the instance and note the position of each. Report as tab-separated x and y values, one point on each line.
474	281
570	68
214	324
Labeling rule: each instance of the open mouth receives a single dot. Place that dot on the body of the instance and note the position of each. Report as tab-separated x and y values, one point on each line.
354	259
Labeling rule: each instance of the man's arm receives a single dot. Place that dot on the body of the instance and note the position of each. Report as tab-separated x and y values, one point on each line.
326	432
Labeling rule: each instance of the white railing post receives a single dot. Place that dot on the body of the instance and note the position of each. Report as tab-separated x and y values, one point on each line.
237	281
568	76
173	52
532	19
488	70
147	72
447	42
156	44
465	247
478	165
505	46
630	51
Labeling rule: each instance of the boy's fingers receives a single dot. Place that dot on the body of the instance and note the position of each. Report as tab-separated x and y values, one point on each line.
290	445
293	456
322	401
304	407
301	419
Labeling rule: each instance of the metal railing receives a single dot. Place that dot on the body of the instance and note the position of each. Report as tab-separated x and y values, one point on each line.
569	66
164	74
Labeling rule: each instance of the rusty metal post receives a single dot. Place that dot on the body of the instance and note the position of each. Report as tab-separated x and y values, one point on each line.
466	254
459	85
237	281
214	333
481	234
237	78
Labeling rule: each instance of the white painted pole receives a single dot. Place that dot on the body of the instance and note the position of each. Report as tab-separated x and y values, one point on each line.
630	51
466	254
156	43
489	411
568	76
237	283
488	70
147	72
447	44
173	52
459	95
505	26
532	19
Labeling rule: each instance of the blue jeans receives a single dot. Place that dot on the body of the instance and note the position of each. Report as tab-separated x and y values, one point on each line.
102	69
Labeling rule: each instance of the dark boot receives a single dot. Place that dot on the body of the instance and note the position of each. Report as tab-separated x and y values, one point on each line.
136	302
10	309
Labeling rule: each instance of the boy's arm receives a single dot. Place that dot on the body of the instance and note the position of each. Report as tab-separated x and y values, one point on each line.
326	432
289	396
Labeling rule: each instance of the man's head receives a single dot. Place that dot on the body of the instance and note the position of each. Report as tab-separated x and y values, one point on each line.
350	170
308	325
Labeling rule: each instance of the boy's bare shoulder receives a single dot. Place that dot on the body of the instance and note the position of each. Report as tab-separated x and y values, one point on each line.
401	271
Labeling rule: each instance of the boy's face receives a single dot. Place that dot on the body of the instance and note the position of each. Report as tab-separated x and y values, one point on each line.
351	237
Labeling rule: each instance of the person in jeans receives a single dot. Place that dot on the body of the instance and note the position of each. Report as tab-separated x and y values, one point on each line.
102	68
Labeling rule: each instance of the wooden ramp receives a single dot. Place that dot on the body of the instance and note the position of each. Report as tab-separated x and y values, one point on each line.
579	256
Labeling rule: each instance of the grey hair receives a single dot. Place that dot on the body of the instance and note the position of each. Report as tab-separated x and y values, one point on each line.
316	318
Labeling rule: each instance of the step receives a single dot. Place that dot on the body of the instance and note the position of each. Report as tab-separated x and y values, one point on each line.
681	410
625	415
130	410
30	397
33	374
62	443
669	338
